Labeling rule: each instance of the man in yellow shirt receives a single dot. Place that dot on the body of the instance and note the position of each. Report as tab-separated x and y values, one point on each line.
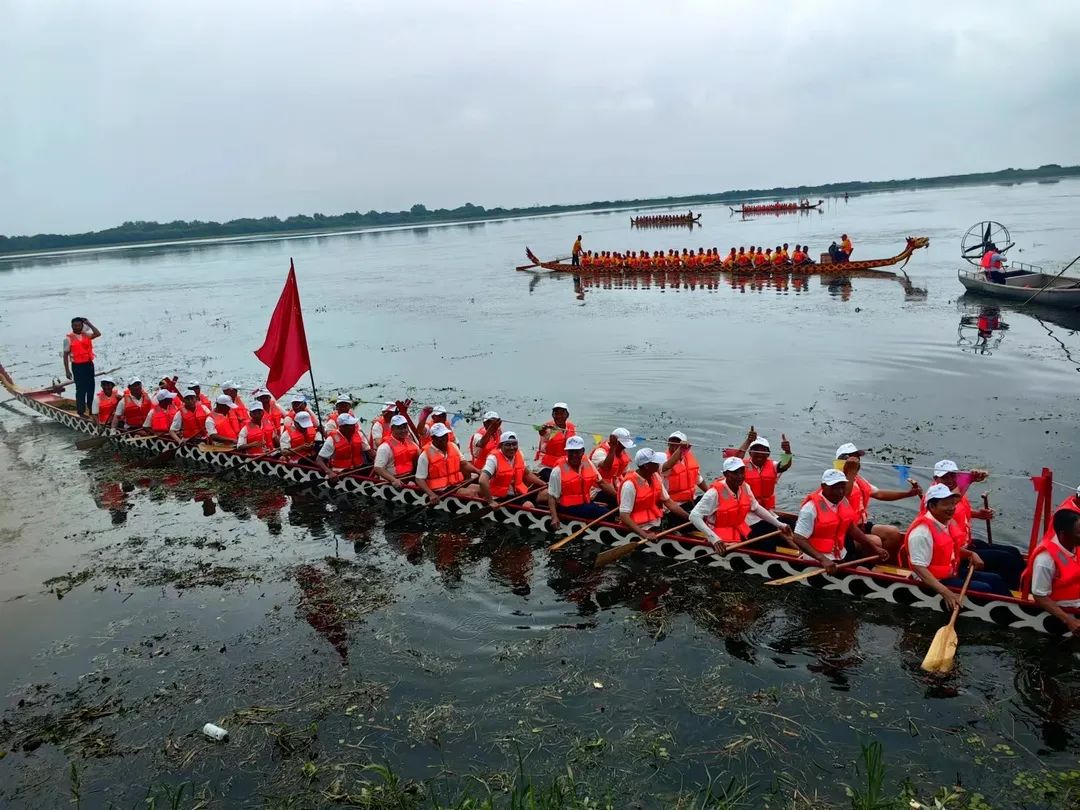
575	253
845	246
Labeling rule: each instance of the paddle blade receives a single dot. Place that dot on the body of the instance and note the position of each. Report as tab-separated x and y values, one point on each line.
942	652
614	554
796	577
91	443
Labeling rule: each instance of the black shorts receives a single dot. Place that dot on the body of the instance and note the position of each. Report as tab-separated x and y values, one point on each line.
867	527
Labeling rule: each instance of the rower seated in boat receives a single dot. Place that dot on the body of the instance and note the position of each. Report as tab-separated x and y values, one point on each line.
131	410
160	417
397	455
343	448
486	440
438	416
730	259
105	401
860	492
441	468
827	528
504	473
574	484
551	450
223	425
257	437
722	511
1053	571
189	422
643	496
272	412
763	474
611	461
681	471
297	405
846	247
300	435
935	551
229	388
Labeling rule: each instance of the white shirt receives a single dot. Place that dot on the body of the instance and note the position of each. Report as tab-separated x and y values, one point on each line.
702	514
327	449
384	457
921	543
475	442
210	426
555	481
1042	574
628	495
491	464
422	461
377	432
804	526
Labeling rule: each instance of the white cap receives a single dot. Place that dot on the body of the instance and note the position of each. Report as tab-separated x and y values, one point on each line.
623	435
344	398
344	419
303	419
165	393
398	420
678	434
193	384
389	406
228	384
834	476
106	378
187	393
439	429
490	415
260	392
938	491
647	455
944	467
562	405
255	406
225	399
508	436
733	463
298	398
848	450
575	443
438	410
760	441
134	380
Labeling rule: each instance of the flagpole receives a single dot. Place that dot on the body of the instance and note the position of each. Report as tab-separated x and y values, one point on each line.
315	396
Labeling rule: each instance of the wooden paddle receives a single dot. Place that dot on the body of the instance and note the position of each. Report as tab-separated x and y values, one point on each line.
462	520
942	652
559	544
58	387
92	442
423	506
617	553
813	572
989	531
729	549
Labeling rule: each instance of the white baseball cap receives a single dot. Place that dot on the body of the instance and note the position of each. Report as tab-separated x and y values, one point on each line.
439	429
508	436
623	435
760	441
562	405
678	434
106	379
165	393
194	384
134	380
848	450
227	385
260	392
490	415
255	406
303	419
830	477
396	421
438	410
344	419
647	455
298	398
733	463
938	491
389	406
575	443
225	399
944	467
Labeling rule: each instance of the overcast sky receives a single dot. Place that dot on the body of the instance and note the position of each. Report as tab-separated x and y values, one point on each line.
213	110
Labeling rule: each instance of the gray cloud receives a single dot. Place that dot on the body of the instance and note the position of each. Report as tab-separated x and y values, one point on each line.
118	111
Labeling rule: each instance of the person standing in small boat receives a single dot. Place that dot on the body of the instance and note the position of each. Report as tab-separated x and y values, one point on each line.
993	264
575	253
78	355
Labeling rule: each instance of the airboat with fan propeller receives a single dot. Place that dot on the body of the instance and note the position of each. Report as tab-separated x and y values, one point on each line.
1015	281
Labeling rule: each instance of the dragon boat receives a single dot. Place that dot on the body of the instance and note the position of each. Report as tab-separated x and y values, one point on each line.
665	221
882	582
776	208
826	266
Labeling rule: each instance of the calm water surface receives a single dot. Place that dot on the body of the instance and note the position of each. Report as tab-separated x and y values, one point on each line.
446	654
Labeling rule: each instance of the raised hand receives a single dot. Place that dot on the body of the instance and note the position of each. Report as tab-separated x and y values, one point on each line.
785	445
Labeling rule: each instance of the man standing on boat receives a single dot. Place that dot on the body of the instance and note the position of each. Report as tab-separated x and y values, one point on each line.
575	253
78	357
993	264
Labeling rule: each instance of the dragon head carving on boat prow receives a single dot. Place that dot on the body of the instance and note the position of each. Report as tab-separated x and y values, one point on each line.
916	242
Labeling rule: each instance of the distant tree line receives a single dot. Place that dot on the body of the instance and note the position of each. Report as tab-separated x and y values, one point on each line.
146	231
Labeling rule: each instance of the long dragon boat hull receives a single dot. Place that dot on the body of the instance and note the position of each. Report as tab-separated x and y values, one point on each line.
883	583
774	209
679	222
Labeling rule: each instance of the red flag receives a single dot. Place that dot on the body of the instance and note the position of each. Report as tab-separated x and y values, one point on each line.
285	349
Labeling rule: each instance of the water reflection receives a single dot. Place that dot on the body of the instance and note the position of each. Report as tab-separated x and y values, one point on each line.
981	332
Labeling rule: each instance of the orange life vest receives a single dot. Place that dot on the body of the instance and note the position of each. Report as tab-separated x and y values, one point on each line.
830	525
106	406
160	418
332	417
1066	585
405	454
798	257
1070	504
945	561
729	519
348	453
274	414
135	412
298	437
552	451
762	482
260	435
379	420
683	478
507	474
480	449
192	423
647	498
226	425
577	485
204	400
241	412
960	525
427	434
81	347
618	464
444	469
860	498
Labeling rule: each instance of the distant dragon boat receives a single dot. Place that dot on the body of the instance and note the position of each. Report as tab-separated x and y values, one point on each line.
824	267
883	583
776	208
665	221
